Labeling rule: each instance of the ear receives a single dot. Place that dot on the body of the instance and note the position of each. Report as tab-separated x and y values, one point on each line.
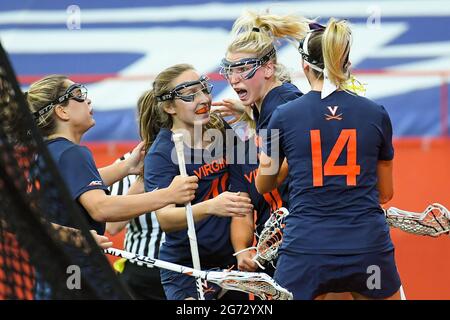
170	108
61	112
269	69
305	67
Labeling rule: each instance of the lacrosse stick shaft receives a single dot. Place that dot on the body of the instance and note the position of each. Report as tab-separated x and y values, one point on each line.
218	277
179	146
156	263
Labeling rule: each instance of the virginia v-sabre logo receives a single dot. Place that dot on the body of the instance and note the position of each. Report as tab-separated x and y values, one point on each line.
333	111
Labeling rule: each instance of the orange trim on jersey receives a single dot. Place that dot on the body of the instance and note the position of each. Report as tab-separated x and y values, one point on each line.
273	198
224	181
213	190
269	200
277	197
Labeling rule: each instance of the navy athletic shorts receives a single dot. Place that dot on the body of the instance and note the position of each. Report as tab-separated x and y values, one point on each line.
307	276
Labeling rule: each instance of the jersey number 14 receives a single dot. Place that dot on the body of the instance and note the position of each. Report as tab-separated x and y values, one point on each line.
350	170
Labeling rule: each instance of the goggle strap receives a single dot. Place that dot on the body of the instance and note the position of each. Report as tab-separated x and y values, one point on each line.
39	113
42	111
171	94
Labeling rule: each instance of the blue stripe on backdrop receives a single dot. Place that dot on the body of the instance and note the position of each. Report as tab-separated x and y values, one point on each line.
416	113
67	63
420	29
89	4
224	24
381	63
114	125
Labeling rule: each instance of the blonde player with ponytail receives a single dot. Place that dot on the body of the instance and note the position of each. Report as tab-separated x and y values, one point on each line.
252	69
339	149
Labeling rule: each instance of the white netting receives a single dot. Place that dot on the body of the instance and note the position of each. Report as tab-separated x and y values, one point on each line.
271	237
434	221
259	284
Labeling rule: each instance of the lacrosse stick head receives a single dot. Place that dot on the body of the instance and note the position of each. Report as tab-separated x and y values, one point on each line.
259	284
433	221
271	237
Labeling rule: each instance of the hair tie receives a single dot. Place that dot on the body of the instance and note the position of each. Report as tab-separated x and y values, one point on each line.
255	29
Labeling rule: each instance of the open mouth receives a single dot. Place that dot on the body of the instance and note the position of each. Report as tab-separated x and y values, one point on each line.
202	110
242	93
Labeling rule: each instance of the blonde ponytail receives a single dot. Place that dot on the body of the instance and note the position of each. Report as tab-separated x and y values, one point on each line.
336	41
256	33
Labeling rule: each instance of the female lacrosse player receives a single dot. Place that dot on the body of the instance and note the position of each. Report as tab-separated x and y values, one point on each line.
340	169
180	100
63	114
251	68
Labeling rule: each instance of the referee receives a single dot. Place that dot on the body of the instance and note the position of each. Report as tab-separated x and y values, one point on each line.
143	236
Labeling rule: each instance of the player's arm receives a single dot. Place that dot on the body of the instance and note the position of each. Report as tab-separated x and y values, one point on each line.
104	208
114	228
117	171
226	204
242	235
283	173
385	183
268	171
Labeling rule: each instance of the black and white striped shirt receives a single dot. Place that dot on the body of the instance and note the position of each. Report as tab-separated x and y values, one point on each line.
143	234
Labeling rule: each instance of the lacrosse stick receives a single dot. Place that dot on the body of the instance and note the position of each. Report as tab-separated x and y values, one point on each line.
434	221
179	146
270	239
259	284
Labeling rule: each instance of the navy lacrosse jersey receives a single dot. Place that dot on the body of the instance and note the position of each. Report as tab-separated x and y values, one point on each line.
77	167
242	176
209	165
332	147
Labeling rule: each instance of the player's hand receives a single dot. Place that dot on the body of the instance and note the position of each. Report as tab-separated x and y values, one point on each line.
135	162
230	204
229	107
245	261
182	189
102	241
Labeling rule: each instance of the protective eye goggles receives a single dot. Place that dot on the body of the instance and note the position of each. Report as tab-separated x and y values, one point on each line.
187	91
244	68
76	91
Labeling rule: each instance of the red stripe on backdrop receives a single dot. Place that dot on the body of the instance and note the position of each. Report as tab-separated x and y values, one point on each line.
89	78
26	79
